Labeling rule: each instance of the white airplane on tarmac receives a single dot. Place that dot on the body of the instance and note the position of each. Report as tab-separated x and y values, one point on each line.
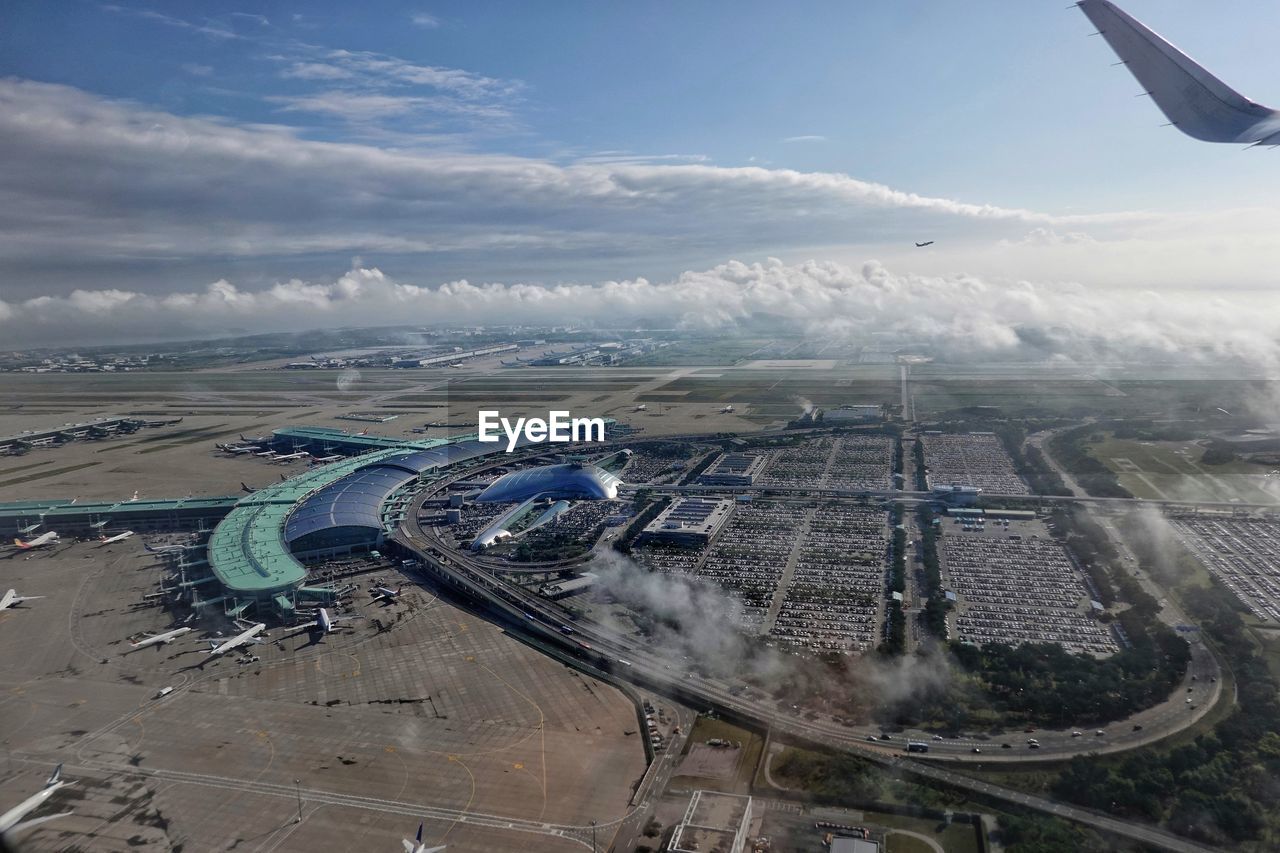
11	822
119	537
418	845
161	639
11	598
322	624
242	639
44	540
386	593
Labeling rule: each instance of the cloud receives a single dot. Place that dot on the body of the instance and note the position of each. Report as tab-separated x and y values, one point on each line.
808	138
422	19
959	316
95	187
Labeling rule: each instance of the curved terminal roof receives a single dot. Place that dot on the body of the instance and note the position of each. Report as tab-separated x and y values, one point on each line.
570	480
249	552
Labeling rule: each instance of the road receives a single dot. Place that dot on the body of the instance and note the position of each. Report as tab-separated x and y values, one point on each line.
606	654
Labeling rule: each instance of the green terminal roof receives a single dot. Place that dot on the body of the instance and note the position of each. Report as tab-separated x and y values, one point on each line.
247	551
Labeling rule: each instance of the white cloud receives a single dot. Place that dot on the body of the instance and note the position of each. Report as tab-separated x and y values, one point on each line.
422	19
92	184
960	315
806	138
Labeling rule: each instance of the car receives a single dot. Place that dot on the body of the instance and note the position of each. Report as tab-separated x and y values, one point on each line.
1006	746
937	737
1099	733
1137	727
871	738
1029	729
975	749
1033	746
1031	740
1077	734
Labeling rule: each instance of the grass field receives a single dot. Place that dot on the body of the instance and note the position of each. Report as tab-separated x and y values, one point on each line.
1171	470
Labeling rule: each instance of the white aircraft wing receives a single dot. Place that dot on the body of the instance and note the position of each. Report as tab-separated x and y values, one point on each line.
1194	101
36	821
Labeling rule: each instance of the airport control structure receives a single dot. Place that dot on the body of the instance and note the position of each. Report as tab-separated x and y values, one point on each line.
259	544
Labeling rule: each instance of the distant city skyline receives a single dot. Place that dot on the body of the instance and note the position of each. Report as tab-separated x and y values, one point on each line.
197	164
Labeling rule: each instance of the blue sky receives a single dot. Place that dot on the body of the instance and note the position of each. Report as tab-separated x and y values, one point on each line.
438	125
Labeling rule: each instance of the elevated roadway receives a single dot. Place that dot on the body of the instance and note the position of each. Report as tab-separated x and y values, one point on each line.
592	648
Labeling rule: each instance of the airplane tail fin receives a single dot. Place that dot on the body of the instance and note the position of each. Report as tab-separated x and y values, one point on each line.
54	777
1194	101
19	543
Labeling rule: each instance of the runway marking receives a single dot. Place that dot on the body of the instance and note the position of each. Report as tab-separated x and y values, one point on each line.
470	797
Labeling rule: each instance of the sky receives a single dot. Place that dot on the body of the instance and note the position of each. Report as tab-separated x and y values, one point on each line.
198	167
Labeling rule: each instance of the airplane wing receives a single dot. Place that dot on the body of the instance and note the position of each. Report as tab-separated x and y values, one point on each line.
35	821
1194	101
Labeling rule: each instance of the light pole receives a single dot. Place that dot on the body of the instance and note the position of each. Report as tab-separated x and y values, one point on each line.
297	787
593	836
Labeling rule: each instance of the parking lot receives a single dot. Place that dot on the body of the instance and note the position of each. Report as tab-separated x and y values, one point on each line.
974	459
1243	553
836	462
835	599
1014	585
811	577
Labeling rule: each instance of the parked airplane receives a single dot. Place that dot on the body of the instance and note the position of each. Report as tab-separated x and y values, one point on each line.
242	639
325	460
119	537
44	540
11	822
642	408
290	457
1195	102
387	594
727	410
161	639
166	549
420	846
11	599
266	454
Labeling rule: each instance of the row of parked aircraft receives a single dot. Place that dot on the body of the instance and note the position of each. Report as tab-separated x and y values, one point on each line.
51	538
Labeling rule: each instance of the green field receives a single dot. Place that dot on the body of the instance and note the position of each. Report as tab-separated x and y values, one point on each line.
1171	470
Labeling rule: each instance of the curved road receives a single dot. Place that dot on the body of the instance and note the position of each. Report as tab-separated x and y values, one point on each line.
605	654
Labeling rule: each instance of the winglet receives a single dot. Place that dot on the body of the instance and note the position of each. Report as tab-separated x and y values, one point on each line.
1194	101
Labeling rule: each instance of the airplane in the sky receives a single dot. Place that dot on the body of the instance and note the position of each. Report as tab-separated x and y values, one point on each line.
11	599
925	243
161	639
420	846
1195	102
44	540
386	593
119	537
11	822
250	635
